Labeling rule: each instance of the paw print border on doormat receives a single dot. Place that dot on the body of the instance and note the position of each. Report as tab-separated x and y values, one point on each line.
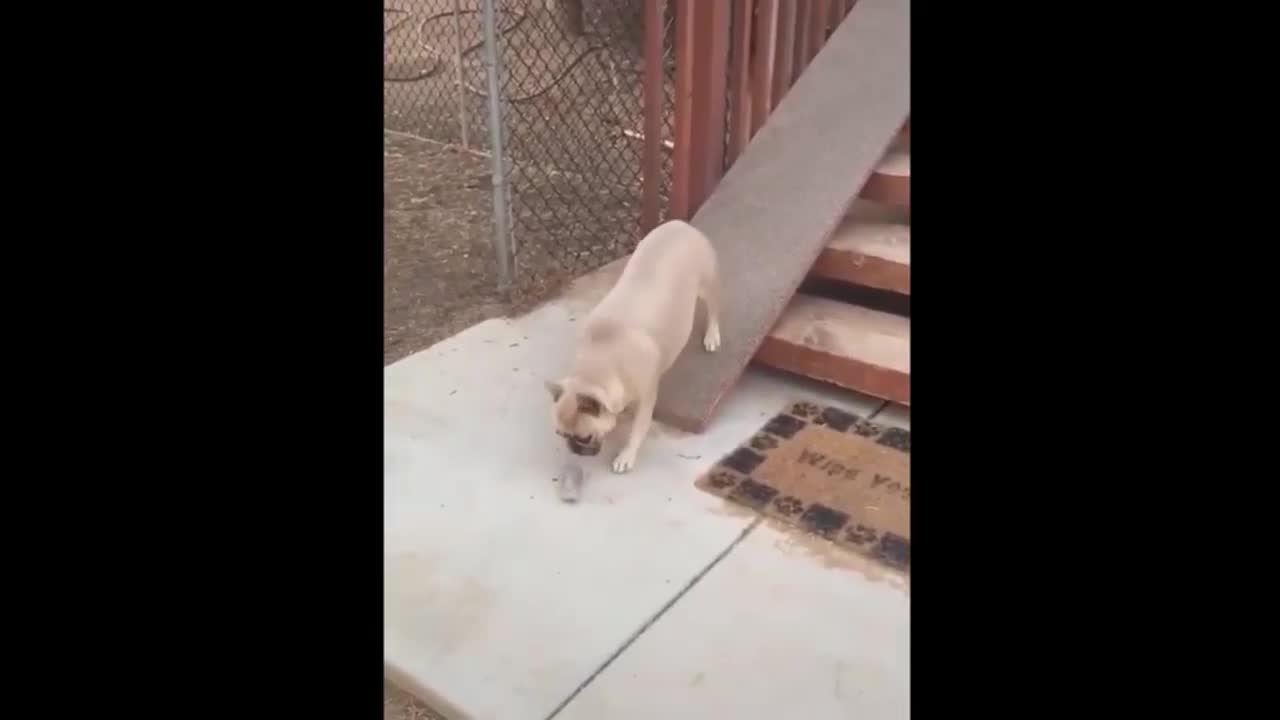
731	479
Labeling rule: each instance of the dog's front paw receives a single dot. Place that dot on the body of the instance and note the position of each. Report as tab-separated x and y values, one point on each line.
625	461
711	341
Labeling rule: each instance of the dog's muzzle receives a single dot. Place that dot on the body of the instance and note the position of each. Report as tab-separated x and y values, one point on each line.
583	448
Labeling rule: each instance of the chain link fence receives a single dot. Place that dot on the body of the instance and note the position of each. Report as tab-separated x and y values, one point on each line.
571	111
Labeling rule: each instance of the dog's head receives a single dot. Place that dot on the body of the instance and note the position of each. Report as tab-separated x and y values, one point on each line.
582	415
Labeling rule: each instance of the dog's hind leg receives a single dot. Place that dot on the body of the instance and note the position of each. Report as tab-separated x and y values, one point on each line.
709	291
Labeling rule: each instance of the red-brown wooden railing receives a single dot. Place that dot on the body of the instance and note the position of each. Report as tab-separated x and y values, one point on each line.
735	61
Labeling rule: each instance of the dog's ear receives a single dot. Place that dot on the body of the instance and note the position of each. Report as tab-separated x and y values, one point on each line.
556	390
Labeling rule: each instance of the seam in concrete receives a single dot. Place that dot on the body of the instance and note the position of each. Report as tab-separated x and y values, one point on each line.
878	410
661	611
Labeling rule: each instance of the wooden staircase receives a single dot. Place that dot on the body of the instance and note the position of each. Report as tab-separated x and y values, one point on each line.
811	192
835	337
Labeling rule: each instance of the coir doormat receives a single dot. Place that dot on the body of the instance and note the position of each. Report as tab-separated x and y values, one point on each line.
830	472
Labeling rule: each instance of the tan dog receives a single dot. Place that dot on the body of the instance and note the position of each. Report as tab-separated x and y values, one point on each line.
634	336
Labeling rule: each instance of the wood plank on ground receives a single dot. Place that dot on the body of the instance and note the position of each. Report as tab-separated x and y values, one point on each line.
846	345
777	207
872	248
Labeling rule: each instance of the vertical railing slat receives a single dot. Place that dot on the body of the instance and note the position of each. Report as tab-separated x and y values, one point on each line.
740	80
710	93
786	57
818	22
766	57
702	56
804	8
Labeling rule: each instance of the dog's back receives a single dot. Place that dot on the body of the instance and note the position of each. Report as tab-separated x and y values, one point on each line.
657	292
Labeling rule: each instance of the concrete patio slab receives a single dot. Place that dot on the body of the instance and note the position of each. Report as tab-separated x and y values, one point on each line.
499	599
785	626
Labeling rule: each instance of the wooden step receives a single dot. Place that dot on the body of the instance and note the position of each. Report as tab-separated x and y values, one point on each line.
842	344
872	247
890	182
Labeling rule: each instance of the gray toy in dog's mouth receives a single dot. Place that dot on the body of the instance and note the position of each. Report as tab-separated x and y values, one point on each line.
571	477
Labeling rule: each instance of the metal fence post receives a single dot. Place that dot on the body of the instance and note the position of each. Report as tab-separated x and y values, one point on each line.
501	226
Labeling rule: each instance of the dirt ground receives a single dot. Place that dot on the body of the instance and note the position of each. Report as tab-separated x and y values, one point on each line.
439	274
